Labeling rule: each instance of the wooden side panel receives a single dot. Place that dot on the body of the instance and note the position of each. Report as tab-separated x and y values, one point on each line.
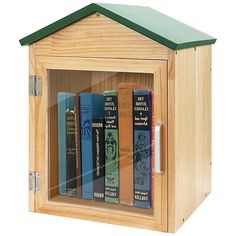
185	134
203	123
190	133
32	115
99	36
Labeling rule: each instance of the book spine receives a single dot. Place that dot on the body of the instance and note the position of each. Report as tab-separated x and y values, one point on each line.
111	147
91	106
86	145
61	99
153	150
98	159
142	148
78	147
125	105
70	150
65	103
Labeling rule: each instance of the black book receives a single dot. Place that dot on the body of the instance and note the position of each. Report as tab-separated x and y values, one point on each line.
78	146
71	183
98	158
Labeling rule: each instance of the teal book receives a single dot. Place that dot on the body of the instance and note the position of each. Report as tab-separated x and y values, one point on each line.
111	147
91	106
66	145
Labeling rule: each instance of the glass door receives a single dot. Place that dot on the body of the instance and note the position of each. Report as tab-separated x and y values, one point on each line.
100	141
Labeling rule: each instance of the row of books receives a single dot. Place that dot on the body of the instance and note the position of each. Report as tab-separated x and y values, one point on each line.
105	144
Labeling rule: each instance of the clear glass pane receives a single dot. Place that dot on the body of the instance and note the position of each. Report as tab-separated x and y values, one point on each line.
100	139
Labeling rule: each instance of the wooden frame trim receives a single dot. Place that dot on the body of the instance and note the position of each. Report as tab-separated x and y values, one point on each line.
159	69
31	128
171	142
100	64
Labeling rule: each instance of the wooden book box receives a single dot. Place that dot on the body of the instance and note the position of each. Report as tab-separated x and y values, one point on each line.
93	50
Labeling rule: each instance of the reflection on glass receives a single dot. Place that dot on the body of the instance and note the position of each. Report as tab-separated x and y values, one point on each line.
100	139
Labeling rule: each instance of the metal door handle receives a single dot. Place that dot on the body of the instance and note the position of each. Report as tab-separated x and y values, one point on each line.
158	151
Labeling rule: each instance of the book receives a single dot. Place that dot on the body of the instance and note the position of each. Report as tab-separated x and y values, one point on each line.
142	148
71	185
153	150
65	103
111	147
91	106
126	173
98	159
78	147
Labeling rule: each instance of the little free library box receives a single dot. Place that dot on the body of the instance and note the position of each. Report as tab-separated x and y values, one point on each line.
120	117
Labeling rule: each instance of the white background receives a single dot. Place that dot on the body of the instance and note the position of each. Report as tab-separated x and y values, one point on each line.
20	18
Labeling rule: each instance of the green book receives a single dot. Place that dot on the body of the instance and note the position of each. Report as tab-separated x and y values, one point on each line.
111	147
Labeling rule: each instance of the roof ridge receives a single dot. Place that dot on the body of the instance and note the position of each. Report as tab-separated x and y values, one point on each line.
157	26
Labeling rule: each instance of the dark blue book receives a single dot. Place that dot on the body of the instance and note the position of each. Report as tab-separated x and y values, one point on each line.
142	148
91	106
65	147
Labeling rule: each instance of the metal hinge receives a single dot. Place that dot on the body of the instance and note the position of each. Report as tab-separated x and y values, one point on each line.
34	181
35	85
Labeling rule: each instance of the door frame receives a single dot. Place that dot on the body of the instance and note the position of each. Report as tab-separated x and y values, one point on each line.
39	140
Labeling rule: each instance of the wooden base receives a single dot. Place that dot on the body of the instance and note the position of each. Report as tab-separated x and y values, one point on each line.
92	204
101	212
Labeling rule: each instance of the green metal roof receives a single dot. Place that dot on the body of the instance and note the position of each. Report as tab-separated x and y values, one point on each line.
145	20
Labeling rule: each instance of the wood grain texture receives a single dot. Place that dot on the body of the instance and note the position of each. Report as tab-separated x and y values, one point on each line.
52	133
160	116
46	153
203	123
96	54
171	143
102	81
185	138
100	64
189	123
99	36
32	115
101	212
40	134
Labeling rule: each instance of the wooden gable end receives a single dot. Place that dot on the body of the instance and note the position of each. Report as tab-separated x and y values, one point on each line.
99	36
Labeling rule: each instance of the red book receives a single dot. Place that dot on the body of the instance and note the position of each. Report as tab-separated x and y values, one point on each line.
126	146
